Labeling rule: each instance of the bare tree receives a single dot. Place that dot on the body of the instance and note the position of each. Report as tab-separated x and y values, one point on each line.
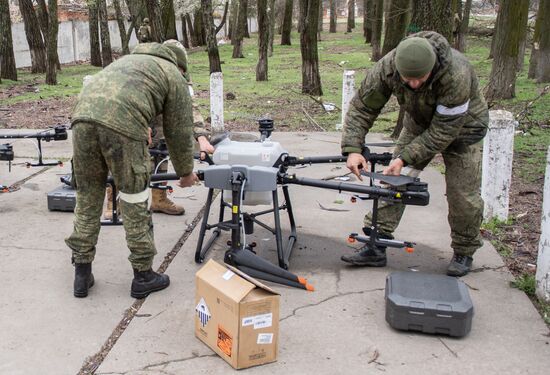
244	20
502	81
124	37
263	41
433	15
34	37
211	42
93	27
351	15
333	17
53	27
398	17
533	61
184	34
44	20
191	29
376	16
135	8
272	19
320	26
542	72
460	42
523	15
105	35
311	79
155	20
7	56
238	31
287	23
367	24
168	16
199	27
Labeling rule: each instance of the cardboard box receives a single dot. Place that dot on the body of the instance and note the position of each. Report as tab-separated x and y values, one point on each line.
236	316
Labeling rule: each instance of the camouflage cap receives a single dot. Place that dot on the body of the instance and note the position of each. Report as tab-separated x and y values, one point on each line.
414	57
146	20
180	52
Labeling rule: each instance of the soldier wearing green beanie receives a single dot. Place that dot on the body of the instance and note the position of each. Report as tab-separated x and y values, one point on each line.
444	113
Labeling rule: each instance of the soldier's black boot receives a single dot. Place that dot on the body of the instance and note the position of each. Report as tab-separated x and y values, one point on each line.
459	265
83	279
147	282
367	257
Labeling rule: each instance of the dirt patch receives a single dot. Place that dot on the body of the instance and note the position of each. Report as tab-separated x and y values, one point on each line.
37	114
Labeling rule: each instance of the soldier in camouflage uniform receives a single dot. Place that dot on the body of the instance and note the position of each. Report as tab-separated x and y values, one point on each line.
444	113
110	132
160	201
144	32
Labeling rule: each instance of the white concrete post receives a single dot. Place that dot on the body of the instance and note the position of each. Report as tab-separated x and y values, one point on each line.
543	259
216	102
498	154
348	91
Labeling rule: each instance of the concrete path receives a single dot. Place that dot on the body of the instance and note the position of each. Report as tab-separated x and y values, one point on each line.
338	329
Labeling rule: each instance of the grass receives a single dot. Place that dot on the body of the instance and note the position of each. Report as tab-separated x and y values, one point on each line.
525	283
495	230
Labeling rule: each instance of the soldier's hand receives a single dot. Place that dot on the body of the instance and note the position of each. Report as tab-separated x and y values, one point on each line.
150	137
394	169
355	163
189	180
205	146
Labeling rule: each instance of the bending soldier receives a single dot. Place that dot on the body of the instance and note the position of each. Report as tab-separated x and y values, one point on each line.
160	201
444	113
110	132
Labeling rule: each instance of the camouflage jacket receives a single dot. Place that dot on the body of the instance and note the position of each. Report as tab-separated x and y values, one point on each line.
128	94
448	108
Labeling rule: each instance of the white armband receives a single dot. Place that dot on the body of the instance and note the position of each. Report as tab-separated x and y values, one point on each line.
453	111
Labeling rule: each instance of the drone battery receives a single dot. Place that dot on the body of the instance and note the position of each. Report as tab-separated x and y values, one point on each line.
62	198
435	304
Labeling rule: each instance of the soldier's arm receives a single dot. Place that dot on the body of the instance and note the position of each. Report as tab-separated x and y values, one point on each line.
449	117
178	124
365	106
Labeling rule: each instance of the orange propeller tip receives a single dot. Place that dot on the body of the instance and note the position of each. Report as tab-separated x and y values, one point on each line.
302	280
409	249
310	288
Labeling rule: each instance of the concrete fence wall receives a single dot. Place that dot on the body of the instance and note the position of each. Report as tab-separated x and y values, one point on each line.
73	41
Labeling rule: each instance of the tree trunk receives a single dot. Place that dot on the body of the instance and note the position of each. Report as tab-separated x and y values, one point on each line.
351	15
272	18
263	41
533	61
106	52
498	22
245	22
433	15
311	79
233	16
543	67
367	23
333	16
53	27
502	81
198	27
238	31
121	27
44	20
34	37
376	15
523	34
155	20
224	18
191	30
287	23
93	27
211	43
320	28
464	23
7	56
301	18
398	17
168	19
135	7
184	34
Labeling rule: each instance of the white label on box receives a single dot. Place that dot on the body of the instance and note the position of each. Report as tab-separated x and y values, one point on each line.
266	156
265	338
203	312
248	321
263	321
229	274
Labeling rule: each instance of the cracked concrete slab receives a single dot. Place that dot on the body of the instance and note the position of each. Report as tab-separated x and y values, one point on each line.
340	328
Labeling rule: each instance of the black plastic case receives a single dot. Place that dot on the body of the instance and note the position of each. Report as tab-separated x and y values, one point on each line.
62	198
428	303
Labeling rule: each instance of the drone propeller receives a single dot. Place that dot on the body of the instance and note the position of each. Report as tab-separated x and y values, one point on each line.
391	180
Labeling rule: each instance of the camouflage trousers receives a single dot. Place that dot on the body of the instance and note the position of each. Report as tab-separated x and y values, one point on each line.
96	150
463	190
